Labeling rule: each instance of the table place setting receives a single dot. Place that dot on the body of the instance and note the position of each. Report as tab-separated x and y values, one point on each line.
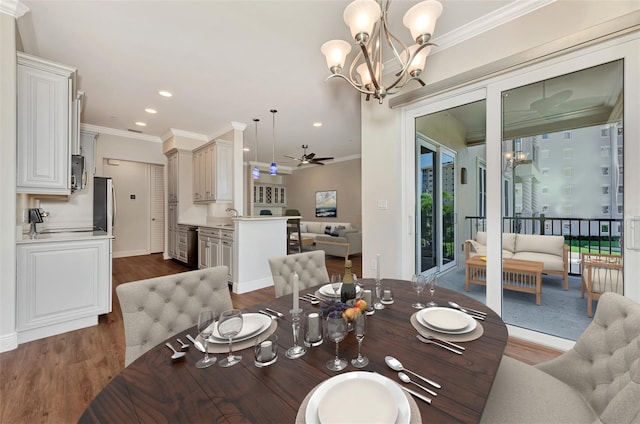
255	326
441	325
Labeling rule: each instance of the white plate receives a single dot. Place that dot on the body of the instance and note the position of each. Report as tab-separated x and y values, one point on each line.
326	290
446	320
252	324
365	404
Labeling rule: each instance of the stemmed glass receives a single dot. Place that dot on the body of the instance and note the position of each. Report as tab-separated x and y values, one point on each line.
360	329
336	283
431	282
205	328
418	282
336	331
229	326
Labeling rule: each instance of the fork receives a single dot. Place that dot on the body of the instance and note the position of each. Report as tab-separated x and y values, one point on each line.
310	300
429	341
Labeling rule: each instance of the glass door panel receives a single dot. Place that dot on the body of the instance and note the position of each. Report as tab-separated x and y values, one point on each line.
447	194
563	149
426	258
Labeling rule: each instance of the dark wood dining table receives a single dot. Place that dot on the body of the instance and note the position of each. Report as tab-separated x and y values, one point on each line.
156	389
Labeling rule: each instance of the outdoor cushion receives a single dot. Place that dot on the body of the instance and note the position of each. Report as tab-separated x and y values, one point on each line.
508	240
551	262
540	244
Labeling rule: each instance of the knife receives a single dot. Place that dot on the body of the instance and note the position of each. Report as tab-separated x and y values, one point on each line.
428	341
269	314
196	343
416	394
280	314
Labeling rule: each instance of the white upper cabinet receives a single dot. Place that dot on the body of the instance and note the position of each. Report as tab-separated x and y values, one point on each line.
45	126
213	172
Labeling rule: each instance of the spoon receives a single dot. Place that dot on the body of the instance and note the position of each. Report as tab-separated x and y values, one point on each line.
406	379
176	355
183	345
396	365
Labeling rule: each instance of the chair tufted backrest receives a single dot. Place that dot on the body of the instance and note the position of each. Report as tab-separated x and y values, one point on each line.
310	267
604	364
157	308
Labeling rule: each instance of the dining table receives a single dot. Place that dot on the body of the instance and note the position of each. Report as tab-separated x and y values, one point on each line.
157	389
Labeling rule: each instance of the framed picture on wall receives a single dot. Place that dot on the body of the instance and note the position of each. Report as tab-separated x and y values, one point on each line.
326	206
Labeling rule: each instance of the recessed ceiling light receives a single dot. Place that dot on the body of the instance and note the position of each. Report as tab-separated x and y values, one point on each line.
141	124
165	93
317	124
246	149
149	110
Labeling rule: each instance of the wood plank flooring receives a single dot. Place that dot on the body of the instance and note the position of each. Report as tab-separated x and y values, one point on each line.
53	380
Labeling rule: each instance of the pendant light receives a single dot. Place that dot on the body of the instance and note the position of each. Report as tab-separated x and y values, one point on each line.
256	171
273	169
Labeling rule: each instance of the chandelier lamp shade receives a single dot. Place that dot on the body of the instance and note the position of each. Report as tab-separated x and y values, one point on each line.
273	169
367	20
255	173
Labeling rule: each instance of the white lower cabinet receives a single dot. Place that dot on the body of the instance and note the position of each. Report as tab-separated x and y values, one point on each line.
62	286
215	248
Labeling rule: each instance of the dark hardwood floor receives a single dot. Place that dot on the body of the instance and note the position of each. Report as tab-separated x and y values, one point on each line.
53	380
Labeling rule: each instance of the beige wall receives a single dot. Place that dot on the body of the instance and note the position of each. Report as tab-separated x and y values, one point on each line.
344	177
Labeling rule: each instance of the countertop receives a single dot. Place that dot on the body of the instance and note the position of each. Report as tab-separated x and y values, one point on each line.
230	226
65	236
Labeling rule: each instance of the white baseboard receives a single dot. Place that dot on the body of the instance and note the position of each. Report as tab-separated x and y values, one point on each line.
25	336
247	286
540	338
8	342
127	253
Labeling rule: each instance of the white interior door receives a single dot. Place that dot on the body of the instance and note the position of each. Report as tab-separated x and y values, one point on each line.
156	206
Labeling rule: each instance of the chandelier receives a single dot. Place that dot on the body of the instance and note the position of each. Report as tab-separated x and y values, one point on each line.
368	22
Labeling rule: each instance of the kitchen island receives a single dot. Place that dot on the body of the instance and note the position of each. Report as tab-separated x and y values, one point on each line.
63	282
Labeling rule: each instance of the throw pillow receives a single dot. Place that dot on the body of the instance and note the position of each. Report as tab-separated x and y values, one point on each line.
303	228
336	231
328	229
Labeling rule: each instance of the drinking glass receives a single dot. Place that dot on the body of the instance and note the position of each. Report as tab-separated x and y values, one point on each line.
360	326
336	331
229	326
418	282
336	283
206	319
431	283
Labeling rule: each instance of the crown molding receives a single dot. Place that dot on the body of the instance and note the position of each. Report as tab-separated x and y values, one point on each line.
238	126
188	134
498	17
120	133
13	8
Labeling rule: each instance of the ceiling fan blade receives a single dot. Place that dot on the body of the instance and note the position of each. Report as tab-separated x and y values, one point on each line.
323	158
310	156
316	162
291	157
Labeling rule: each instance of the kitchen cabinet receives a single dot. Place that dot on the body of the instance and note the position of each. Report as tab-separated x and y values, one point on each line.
215	248
213	172
172	175
273	195
48	118
62	285
172	229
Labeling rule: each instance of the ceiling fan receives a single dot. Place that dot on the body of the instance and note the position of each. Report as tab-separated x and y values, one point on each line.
308	158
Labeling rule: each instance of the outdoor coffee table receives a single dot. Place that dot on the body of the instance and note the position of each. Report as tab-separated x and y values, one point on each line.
518	275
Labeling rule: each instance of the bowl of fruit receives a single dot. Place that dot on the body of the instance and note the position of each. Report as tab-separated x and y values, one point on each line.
349	312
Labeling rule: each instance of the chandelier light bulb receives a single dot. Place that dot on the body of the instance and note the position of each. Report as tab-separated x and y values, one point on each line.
360	16
421	20
417	64
335	51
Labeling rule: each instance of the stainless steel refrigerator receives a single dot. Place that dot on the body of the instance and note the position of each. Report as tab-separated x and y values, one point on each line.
104	205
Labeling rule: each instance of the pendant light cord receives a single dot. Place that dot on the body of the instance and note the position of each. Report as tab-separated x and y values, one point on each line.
273	111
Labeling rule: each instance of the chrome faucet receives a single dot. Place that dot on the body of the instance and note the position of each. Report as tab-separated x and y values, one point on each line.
235	212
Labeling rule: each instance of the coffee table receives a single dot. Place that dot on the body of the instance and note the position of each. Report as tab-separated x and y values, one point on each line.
517	275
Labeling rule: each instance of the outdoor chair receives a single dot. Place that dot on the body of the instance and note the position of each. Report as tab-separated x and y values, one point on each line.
597	381
157	308
310	267
600	273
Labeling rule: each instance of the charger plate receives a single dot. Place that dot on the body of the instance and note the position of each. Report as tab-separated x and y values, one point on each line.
446	320
252	324
245	344
465	337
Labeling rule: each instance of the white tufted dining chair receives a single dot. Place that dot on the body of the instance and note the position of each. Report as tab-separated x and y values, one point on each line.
157	308
310	267
597	381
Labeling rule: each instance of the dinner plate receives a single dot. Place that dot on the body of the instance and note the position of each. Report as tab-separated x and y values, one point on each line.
326	290
358	397
252	325
446	320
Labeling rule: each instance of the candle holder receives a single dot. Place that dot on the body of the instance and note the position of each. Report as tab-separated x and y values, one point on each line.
296	350
378	304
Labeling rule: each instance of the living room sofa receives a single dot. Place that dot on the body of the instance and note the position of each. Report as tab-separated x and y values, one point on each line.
550	250
335	238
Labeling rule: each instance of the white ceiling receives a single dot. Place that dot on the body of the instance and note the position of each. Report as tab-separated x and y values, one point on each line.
223	61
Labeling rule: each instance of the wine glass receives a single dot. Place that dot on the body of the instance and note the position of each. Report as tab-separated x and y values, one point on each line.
336	331
229	326
418	282
360	329
431	283
206	319
336	283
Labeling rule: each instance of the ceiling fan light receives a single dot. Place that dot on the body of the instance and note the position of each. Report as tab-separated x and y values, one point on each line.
421	19
360	16
335	51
